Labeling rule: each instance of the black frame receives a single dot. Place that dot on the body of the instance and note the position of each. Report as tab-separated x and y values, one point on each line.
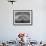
23	24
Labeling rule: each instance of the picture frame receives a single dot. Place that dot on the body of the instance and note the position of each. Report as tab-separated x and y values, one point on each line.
22	17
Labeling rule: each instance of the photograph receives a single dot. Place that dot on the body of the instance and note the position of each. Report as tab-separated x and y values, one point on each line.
22	17
22	22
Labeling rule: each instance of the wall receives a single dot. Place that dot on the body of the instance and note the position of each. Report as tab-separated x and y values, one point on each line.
38	30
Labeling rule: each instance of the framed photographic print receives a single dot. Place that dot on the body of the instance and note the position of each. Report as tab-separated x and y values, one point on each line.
22	17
